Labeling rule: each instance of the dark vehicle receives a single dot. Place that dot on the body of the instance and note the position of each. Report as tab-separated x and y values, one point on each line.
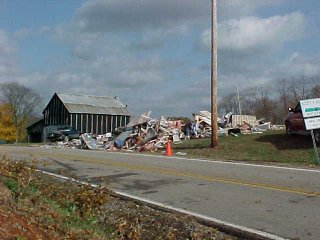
295	124
64	134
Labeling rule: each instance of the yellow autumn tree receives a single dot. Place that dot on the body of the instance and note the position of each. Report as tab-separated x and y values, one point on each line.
22	101
7	128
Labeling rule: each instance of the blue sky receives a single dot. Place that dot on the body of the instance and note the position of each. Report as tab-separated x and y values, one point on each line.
155	55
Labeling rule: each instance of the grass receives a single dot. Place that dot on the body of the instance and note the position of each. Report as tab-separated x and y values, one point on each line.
269	147
67	209
11	184
59	215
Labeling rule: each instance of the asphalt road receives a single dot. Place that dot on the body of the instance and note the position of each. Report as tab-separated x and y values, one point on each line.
278	200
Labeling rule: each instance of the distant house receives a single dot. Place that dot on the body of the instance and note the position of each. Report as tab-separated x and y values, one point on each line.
90	114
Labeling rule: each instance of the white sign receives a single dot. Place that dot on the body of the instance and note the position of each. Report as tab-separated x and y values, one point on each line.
312	123
310	107
311	113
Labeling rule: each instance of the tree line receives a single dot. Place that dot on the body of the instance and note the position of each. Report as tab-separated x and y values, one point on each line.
268	102
18	105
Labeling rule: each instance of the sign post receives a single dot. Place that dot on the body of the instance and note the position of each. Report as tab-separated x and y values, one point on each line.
315	147
311	115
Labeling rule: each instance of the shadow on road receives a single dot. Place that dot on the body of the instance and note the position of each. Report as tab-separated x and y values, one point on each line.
284	142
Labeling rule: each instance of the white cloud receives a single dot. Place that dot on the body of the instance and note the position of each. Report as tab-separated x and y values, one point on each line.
156	38
231	9
122	70
44	29
149	23
6	48
298	65
7	57
253	33
22	33
250	47
134	15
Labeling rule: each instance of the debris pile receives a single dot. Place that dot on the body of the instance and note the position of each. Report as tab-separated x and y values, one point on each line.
144	133
232	124
74	143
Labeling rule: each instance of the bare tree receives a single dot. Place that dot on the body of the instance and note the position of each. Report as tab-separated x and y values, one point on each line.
260	101
229	103
300	88
22	101
249	100
294	90
283	94
285	99
315	92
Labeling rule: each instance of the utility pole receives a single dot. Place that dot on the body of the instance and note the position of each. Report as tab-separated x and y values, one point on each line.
214	75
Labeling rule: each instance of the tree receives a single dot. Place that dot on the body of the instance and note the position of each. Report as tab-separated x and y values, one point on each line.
22	102
7	129
261	102
315	91
229	103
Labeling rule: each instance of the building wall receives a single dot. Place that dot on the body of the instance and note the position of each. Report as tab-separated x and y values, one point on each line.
97	123
35	132
57	114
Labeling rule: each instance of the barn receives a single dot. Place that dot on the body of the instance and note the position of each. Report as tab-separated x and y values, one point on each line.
86	113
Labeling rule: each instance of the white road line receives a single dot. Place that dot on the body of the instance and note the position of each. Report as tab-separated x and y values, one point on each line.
180	210
204	217
218	162
222	162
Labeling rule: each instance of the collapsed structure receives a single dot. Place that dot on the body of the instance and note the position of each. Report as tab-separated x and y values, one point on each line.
233	124
144	133
141	133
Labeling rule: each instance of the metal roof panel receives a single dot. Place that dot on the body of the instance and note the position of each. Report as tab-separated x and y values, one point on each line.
77	103
82	108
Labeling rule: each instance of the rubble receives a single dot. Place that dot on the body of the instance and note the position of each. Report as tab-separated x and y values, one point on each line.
144	133
141	134
232	124
89	141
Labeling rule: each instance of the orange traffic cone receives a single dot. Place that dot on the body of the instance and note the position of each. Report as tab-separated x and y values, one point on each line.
168	149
